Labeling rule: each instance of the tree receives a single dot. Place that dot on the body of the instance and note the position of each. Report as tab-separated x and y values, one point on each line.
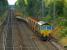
3	6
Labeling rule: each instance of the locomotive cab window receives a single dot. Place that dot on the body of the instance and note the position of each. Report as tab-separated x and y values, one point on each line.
43	27
46	27
49	27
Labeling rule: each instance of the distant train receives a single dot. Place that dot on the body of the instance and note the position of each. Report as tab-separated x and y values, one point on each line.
43	29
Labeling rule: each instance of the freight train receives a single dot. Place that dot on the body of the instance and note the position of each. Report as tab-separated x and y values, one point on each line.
43	29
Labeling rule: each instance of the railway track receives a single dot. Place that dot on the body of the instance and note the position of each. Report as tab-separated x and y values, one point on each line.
27	40
7	42
56	45
35	43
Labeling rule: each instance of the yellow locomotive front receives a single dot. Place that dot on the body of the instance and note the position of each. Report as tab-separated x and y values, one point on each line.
45	30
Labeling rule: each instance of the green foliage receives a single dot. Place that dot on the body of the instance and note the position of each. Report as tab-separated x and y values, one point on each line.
3	6
48	18
59	7
64	32
65	8
64	23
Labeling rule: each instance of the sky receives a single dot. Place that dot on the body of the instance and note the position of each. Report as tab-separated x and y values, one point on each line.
11	2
